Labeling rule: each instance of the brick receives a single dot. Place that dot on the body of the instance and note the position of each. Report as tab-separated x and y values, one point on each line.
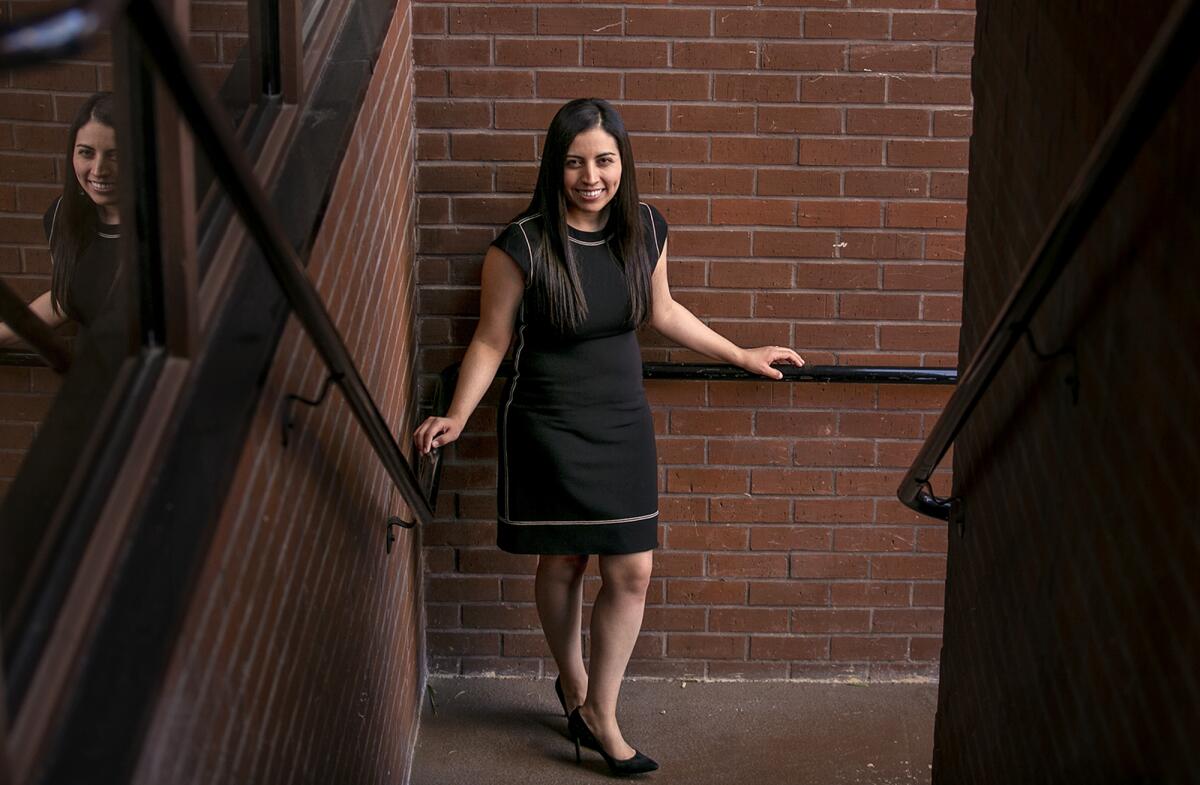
579	21
842	89
669	149
753	150
492	147
746	565
803	56
912	620
625	54
441	51
799	120
948	185
750	510
794	305
525	115
788	648
886	183
706	304
880	58
643	117
952	122
880	245
809	621
706	538
508	617
433	146
922	567
706	592
929	594
833	453
711	180
723	119
572	84
668	22
493	561
488	20
683	508
944	247
792	182
895	425
828	565
749	394
927	215
888	122
756	88
793	244
841	152
460	643
17	167
23	105
789	538
758	23
871	595
748	620
789	593
428	20
750	275
922	337
839	213
487	209
706	646
933	27
692	242
430	83
490	84
854	25
876	307
923	277
738	452
791	482
873	649
874	539
707	480
674	619
690	565
538	53
680	451
954	59
933	154
795	423
453	114
667	86
928	90
714	56
711	423
519	645
816	510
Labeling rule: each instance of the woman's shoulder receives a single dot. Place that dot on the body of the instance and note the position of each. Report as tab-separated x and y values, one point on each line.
519	239
655	226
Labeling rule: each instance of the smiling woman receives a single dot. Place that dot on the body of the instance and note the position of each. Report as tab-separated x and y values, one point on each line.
83	225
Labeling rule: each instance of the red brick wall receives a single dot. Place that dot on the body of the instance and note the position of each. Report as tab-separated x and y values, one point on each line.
301	656
811	159
1072	628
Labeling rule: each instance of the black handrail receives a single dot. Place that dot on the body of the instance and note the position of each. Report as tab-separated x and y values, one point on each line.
1161	73
25	323
237	176
431	465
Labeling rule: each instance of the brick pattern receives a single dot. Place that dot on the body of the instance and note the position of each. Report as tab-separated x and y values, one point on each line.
1071	599
301	656
811	159
219	33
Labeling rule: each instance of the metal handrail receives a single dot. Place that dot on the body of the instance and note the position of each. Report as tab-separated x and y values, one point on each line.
1158	77
237	176
431	465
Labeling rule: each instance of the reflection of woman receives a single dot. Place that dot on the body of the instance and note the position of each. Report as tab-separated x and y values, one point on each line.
573	277
83	224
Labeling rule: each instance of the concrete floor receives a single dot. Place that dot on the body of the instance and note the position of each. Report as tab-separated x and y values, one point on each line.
501	731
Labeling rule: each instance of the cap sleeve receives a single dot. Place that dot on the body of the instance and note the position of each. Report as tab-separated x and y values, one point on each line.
656	232
49	218
517	240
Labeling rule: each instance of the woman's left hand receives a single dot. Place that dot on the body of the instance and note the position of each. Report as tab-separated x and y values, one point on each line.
759	360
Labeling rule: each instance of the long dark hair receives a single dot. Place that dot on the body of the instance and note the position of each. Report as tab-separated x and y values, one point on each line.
75	219
555	274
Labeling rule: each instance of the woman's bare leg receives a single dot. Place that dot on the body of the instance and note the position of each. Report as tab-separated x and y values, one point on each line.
558	588
616	621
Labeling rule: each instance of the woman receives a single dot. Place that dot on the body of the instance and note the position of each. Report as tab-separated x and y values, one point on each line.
574	276
83	225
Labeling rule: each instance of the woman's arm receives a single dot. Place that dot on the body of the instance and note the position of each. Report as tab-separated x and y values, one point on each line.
44	308
681	326
501	290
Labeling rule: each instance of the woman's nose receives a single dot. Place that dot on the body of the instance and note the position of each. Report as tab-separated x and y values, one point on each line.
103	166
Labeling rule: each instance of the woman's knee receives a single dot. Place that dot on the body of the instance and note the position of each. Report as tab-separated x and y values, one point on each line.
567	568
627	573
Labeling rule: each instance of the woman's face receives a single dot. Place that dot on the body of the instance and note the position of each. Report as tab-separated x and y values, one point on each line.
95	160
591	175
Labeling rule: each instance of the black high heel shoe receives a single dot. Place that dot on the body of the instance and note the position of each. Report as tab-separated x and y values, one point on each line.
582	734
558	690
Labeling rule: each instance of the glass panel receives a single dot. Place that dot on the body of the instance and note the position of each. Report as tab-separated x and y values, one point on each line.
61	249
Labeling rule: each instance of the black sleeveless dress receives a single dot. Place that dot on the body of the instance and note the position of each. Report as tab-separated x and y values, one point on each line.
577	465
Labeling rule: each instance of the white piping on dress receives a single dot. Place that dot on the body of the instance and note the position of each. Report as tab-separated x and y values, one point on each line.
580	523
511	393
653	230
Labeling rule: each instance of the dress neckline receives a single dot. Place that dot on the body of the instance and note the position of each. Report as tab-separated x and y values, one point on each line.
580	237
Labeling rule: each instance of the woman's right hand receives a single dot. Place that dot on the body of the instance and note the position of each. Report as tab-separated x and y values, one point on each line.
436	432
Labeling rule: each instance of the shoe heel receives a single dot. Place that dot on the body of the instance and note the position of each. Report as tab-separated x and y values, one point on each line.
577	757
